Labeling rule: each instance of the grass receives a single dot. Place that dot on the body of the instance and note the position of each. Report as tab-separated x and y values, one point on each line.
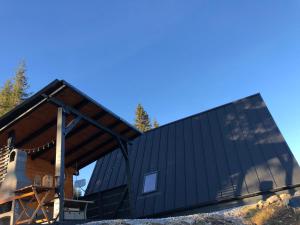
274	214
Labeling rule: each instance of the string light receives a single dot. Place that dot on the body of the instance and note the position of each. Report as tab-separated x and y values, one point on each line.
31	151
44	147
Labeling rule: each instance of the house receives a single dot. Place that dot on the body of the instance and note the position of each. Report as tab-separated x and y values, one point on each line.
227	156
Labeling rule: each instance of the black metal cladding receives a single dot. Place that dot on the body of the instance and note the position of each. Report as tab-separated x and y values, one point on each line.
231	151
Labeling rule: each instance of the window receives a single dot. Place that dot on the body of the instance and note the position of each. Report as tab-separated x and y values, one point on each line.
150	182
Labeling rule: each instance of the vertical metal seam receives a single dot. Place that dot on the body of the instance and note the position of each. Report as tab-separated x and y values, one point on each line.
158	185
107	159
259	147
133	205
204	157
184	162
194	158
99	170
239	159
136	148
245	143
117	171
224	148
214	154
148	167
114	153
166	168
139	180
92	179
175	181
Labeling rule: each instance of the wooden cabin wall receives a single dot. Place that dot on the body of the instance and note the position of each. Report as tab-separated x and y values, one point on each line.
41	167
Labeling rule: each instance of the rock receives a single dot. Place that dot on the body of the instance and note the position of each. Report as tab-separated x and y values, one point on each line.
272	199
152	223
260	204
178	223
294	202
285	198
297	193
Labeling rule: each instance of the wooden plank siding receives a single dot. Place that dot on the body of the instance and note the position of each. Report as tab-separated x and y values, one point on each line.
40	167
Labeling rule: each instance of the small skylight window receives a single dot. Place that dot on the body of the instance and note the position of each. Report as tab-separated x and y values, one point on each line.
150	182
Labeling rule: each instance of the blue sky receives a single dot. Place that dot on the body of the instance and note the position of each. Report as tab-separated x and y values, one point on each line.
175	57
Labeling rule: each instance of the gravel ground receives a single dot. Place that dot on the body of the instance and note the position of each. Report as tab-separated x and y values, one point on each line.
226	217
282	209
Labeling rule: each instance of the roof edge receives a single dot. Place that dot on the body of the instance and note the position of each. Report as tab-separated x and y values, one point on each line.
4	120
208	110
100	105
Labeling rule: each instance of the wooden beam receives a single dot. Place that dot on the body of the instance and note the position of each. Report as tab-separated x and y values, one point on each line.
86	118
3	201
97	135
72	125
87	155
85	125
45	127
89	152
72	133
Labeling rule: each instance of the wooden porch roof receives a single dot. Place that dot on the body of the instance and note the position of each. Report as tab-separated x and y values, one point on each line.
34	125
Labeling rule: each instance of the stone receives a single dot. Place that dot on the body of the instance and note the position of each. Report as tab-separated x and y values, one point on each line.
285	198
260	204
272	199
297	193
177	223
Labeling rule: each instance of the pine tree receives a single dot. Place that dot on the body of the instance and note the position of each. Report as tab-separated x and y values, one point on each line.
142	121
155	123
20	85
14	90
5	97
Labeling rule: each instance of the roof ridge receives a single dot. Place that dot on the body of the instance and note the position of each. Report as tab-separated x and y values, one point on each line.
208	110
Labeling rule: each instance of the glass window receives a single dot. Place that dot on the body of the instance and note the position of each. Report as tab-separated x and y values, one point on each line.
150	182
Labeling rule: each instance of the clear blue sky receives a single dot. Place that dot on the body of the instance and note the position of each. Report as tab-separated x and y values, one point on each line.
175	57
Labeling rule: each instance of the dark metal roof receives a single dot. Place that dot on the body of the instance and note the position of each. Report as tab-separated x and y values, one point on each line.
235	150
34	123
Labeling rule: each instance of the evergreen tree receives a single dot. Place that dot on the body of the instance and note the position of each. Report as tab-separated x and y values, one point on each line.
20	85
14	90
155	123
5	97
142	121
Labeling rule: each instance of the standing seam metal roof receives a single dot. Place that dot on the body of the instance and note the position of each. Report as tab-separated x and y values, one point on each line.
231	151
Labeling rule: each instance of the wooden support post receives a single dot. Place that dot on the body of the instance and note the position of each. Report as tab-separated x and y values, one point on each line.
58	211
124	148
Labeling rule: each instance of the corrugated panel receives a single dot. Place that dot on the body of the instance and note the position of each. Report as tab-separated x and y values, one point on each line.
230	151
